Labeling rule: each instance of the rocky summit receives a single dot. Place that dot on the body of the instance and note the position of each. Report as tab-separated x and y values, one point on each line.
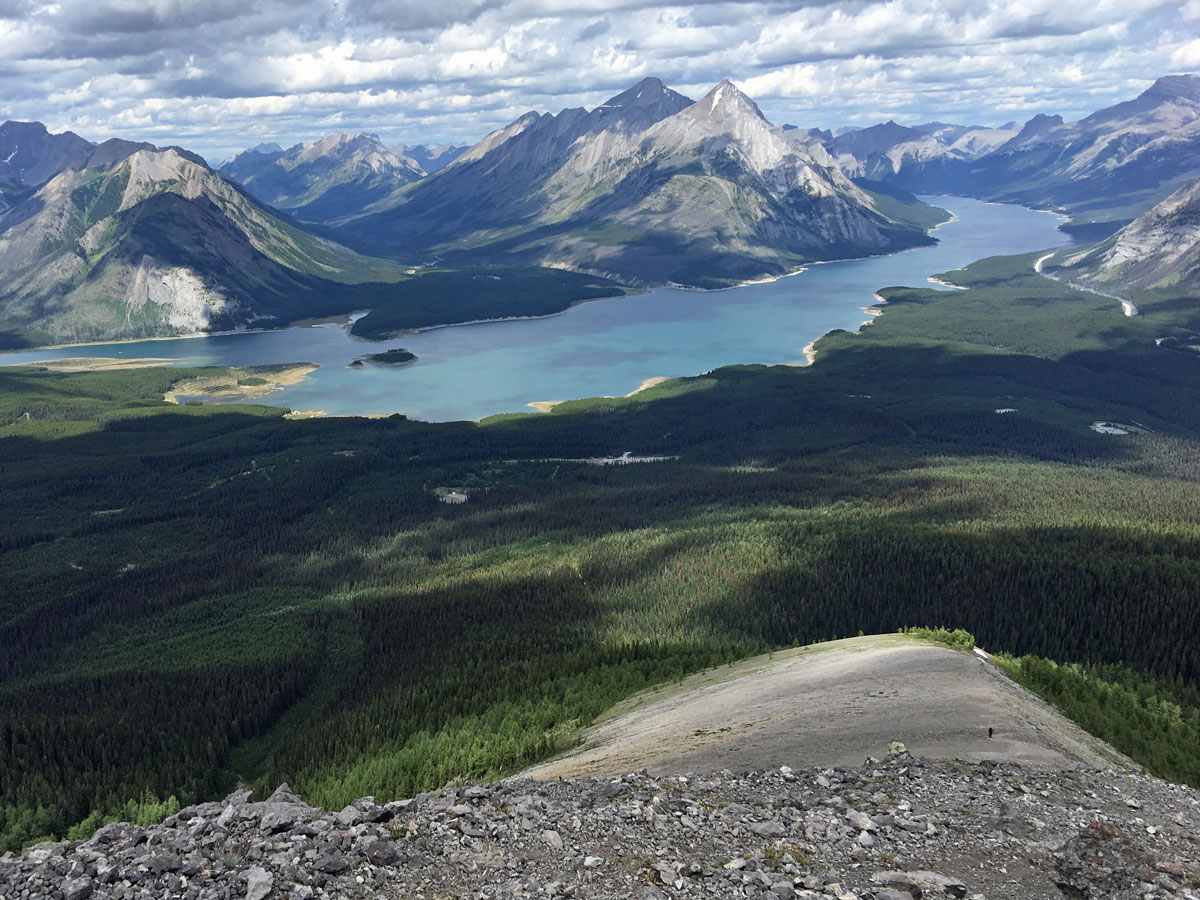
898	829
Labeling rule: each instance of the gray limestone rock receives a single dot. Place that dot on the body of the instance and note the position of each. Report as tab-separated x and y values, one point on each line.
258	883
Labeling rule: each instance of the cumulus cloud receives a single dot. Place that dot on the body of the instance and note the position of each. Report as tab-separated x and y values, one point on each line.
219	75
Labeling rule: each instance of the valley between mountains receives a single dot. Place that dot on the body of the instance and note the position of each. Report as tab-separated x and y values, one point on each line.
399	618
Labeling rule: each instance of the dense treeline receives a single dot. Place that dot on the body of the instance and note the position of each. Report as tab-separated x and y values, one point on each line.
194	595
1152	720
467	295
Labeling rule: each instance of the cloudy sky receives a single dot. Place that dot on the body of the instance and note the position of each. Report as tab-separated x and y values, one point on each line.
219	75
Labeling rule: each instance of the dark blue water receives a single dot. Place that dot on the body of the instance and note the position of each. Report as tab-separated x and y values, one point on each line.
603	348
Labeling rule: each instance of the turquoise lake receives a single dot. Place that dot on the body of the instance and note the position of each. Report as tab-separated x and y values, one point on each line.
602	348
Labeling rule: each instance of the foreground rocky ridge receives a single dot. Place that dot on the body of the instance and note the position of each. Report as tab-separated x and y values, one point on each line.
901	829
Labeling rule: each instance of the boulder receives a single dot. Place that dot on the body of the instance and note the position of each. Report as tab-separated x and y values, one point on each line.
921	883
258	883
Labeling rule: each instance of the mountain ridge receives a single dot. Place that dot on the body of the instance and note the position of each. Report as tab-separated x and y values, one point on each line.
648	187
1130	154
154	244
320	180
1158	249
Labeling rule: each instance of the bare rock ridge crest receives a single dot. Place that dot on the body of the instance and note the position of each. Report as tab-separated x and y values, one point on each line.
898	829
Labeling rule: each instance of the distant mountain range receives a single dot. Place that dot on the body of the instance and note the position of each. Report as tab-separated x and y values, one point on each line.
883	152
323	180
336	176
1112	164
122	240
648	188
430	159
125	239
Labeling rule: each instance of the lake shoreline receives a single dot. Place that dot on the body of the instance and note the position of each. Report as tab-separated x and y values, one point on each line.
601	349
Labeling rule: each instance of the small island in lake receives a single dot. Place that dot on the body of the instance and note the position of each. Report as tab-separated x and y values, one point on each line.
397	356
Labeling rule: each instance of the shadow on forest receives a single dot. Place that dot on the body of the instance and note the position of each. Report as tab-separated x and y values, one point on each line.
1011	587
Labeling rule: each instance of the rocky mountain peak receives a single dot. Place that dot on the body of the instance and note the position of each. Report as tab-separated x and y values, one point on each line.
342	145
1177	88
726	100
31	154
152	171
1038	126
14	130
647	92
636	109
496	138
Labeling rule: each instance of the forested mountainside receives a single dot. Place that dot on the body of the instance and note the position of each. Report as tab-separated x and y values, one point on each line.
289	600
647	188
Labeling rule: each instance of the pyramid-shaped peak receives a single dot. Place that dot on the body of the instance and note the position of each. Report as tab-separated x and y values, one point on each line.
647	92
726	98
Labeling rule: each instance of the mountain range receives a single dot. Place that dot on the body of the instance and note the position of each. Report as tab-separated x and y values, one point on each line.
322	180
648	188
30	156
126	239
122	240
434	157
882	152
1108	166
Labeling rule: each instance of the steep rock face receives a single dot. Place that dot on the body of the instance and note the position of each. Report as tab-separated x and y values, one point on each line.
900	829
31	155
1159	249
156	244
324	179
648	187
497	183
